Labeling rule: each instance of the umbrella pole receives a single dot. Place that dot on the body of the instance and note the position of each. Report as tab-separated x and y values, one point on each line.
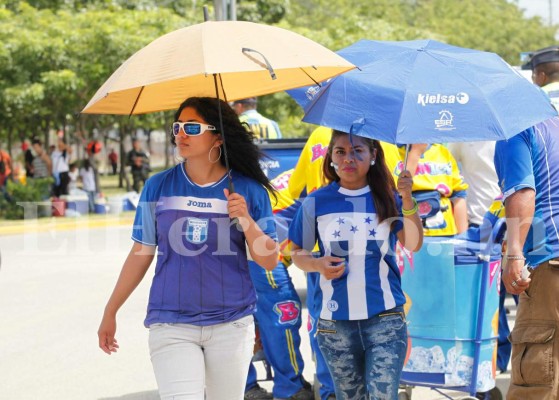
229	179
221	129
408	147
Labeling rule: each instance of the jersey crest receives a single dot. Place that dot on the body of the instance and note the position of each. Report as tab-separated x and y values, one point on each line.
196	230
332	305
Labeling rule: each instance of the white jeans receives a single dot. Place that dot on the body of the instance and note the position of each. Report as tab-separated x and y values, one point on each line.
186	358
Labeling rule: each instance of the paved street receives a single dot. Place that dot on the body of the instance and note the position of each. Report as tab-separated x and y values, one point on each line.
54	282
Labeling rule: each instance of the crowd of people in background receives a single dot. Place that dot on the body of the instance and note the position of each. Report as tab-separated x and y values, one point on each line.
138	161
69	172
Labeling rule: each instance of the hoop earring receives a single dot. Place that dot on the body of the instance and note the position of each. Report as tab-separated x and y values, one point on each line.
210	153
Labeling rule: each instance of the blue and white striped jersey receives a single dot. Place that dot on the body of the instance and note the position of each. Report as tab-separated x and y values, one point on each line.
346	225
201	275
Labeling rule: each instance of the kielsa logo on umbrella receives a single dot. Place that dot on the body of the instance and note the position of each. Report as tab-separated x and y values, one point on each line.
424	99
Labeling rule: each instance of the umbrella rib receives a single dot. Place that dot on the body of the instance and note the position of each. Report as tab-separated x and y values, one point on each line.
315	100
136	102
310	77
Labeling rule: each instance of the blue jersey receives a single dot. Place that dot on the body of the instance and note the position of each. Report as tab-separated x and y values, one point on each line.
531	160
345	224
201	276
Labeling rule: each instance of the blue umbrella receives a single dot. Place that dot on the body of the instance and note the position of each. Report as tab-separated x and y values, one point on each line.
424	91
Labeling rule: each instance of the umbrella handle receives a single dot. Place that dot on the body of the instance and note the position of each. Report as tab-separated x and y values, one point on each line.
231	185
267	65
408	147
232	190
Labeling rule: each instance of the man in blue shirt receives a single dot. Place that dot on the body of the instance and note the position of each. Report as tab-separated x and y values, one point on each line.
527	166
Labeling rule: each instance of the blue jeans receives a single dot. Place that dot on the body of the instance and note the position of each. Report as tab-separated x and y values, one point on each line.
365	357
91	201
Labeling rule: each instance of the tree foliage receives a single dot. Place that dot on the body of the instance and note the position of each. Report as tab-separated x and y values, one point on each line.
52	62
55	54
266	11
490	25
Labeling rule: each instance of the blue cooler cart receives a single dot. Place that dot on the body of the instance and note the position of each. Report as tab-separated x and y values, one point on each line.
452	289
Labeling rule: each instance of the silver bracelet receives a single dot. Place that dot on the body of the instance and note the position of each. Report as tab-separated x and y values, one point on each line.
509	257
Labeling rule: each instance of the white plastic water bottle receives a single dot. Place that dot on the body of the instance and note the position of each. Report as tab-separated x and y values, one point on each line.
525	273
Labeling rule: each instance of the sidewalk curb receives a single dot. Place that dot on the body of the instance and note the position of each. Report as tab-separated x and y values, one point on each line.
56	223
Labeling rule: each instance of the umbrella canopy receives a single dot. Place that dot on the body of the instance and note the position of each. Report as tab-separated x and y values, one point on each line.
249	60
425	91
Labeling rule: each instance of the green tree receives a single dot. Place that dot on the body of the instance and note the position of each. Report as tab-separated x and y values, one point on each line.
51	63
264	11
490	25
55	54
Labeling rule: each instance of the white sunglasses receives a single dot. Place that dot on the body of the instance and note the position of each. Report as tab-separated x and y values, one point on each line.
191	128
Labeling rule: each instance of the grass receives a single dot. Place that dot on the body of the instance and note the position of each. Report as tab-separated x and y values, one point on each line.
109	183
5	223
109	187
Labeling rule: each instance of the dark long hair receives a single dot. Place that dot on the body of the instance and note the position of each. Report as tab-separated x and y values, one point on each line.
242	152
379	178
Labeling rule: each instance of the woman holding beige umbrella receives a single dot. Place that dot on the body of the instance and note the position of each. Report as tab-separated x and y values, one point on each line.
201	279
202	298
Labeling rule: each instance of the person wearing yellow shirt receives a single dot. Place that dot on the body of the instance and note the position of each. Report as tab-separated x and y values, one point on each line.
306	178
307	175
438	186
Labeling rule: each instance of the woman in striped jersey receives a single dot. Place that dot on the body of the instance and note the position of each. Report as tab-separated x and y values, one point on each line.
356	221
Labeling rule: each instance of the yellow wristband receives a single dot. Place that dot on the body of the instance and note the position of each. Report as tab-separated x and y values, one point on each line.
413	210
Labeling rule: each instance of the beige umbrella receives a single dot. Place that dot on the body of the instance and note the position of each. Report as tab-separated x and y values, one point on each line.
226	59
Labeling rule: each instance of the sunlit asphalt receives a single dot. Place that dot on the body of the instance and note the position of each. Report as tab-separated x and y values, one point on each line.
55	277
